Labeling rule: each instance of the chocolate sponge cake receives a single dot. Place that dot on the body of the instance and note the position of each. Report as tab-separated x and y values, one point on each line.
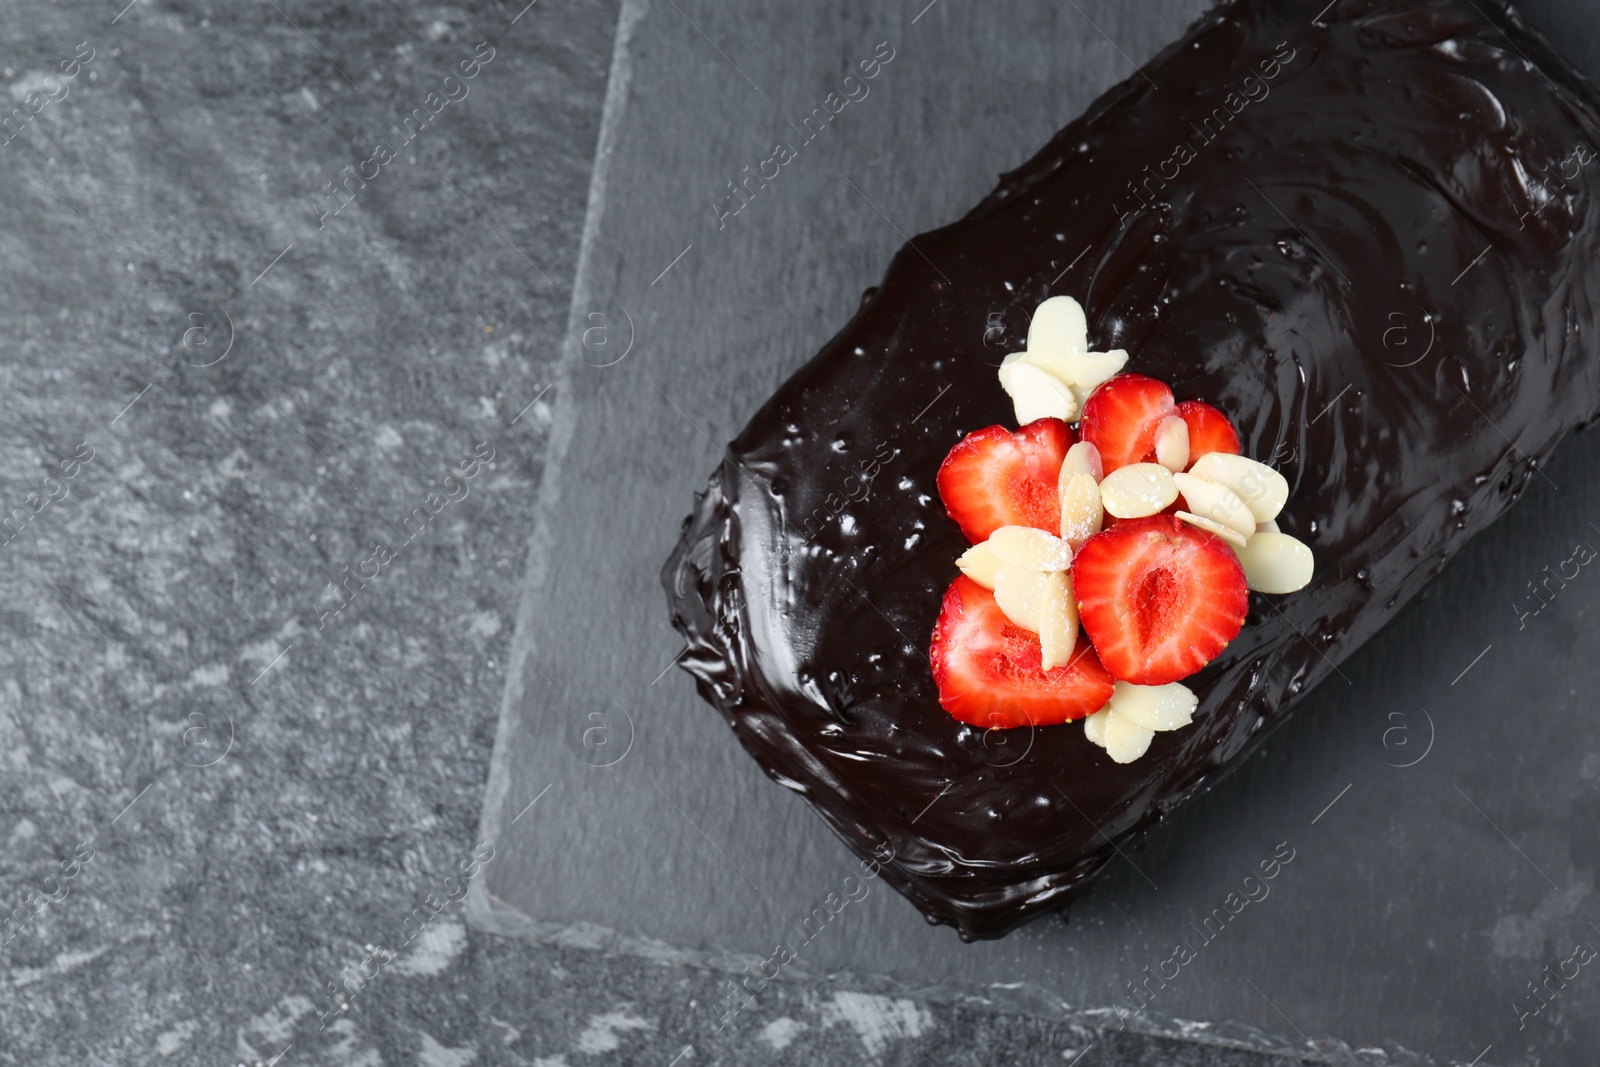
1363	240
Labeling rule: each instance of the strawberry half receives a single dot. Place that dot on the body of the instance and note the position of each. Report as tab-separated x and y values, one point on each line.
996	478
1209	430
988	668
1173	508
1159	598
1120	418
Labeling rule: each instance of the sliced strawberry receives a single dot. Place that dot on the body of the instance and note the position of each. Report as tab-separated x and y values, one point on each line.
1159	598
988	668
996	478
1120	418
1173	508
1209	430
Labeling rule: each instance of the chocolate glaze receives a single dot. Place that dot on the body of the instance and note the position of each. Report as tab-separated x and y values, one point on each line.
1292	272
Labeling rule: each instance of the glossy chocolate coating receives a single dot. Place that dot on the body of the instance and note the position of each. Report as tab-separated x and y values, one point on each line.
1310	263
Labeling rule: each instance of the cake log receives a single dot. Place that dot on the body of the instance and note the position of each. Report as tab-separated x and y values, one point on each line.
1370	240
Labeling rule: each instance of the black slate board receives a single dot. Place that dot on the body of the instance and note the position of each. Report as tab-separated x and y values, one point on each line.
1422	899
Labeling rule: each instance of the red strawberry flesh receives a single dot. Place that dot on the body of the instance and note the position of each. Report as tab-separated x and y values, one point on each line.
1209	430
989	669
1159	598
1120	418
996	477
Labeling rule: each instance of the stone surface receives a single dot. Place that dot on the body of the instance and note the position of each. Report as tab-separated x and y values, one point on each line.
267	785
236	803
1408	922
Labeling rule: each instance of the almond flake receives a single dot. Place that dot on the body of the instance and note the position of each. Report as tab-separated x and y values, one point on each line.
980	564
1276	563
1215	501
1058	622
1020	592
1227	533
1262	489
1094	727
1082	513
1054	364
1024	546
1036	394
1081	458
1155	707
1172	443
1058	328
1087	370
1137	490
1126	740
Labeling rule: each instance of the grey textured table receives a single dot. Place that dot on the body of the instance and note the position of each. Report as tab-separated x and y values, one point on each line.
1444	843
264	803
265	795
272	800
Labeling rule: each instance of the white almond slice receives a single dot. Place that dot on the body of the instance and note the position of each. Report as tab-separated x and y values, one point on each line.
1036	394
1094	727
1082	394
1055	364
1027	547
1081	458
1058	622
1059	328
1262	489
1082	513
1020	592
1086	370
1126	740
1215	501
1155	707
1137	490
1276	563
1227	533
980	564
1172	443
1269	526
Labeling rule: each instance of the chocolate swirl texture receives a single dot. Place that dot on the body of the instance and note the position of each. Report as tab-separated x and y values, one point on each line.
1255	228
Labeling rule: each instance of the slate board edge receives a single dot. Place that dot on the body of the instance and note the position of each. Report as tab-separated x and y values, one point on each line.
563	418
488	913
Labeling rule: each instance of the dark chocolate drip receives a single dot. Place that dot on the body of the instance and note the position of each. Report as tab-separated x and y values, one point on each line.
1371	256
